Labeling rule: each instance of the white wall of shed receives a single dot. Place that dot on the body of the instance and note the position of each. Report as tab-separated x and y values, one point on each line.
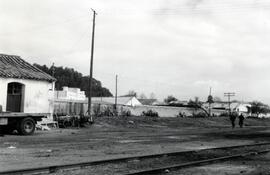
36	95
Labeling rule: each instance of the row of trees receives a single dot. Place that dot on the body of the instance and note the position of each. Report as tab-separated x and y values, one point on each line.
72	78
259	108
140	96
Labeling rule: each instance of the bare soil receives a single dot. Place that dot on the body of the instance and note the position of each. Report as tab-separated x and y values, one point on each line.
112	137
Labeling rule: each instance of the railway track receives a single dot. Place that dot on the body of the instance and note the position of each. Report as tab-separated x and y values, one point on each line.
167	169
194	161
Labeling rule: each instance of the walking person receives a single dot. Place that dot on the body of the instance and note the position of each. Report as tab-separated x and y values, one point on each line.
232	118
241	120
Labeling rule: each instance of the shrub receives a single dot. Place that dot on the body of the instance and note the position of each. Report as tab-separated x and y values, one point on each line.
224	114
200	115
181	114
108	111
150	113
126	113
96	110
99	111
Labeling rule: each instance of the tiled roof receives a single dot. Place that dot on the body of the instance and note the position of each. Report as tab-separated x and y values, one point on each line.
147	101
126	101
12	66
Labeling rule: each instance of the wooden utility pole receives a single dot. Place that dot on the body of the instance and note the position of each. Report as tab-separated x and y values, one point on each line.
229	95
210	100
116	77
91	66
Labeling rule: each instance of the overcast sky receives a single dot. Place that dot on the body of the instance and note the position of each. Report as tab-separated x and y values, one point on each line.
168	47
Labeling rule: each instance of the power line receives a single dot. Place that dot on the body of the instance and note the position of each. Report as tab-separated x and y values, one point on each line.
219	7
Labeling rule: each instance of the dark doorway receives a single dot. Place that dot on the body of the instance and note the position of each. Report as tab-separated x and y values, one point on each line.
15	97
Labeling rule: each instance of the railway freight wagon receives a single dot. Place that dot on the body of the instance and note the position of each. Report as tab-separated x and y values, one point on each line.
69	107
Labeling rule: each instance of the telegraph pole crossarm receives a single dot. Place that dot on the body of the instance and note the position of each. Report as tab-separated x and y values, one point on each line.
229	95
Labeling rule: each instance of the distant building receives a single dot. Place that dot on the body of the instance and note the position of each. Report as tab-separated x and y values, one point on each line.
178	103
70	94
124	101
241	107
223	106
220	105
24	87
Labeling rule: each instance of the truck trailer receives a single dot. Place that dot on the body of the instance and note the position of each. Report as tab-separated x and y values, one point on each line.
24	123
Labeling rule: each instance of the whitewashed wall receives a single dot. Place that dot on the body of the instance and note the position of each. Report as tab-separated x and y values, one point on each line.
163	111
36	97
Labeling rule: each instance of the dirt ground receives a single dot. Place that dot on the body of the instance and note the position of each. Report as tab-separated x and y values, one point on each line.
125	136
255	165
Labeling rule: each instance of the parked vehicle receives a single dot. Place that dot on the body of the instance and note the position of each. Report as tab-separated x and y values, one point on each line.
24	123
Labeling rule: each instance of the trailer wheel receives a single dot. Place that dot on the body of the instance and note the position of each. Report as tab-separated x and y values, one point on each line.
26	126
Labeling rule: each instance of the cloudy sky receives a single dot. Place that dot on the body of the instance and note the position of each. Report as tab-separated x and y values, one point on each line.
165	47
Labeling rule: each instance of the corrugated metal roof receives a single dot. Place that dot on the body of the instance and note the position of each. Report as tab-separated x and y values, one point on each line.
111	100
12	66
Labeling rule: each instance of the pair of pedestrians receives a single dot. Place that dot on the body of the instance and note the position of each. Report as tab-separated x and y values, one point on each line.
240	117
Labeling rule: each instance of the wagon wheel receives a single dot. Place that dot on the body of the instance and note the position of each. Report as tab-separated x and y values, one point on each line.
67	124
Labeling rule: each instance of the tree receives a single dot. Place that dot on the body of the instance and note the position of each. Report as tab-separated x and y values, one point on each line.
152	96
216	99
142	96
209	101
71	78
131	93
197	104
169	99
259	108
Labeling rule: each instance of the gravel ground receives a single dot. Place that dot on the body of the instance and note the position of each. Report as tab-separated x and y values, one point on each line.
253	165
118	137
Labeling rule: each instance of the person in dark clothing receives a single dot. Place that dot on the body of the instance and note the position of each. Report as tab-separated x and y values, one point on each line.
241	120
232	118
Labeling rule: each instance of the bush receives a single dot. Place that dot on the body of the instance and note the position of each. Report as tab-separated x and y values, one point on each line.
108	111
96	110
150	113
224	114
125	113
181	114
200	115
